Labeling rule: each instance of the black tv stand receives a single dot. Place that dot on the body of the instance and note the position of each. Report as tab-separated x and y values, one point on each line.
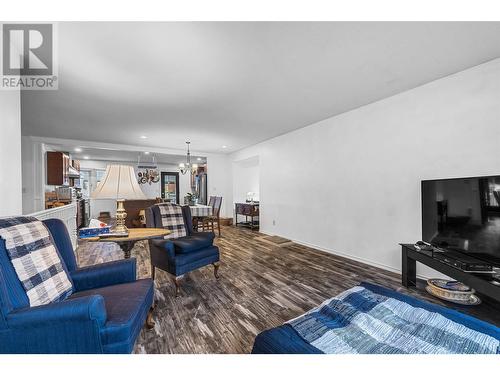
410	256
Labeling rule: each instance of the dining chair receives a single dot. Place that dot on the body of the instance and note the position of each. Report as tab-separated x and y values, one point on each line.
203	220
209	221
211	200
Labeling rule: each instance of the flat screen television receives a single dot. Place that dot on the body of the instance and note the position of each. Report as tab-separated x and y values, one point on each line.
463	214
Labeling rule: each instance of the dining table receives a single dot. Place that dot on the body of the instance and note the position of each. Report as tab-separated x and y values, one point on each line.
198	212
134	235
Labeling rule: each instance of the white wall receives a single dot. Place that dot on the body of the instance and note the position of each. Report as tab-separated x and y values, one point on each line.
220	181
246	179
10	154
33	171
351	184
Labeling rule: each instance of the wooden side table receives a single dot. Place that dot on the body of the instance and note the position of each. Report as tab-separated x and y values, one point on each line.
134	235
246	209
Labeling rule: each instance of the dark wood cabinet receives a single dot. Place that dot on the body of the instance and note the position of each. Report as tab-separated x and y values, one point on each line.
61	170
249	210
58	168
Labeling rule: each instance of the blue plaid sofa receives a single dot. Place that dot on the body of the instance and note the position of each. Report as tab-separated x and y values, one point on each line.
104	313
371	319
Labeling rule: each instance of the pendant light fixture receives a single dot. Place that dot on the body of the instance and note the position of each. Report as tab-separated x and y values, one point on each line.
187	166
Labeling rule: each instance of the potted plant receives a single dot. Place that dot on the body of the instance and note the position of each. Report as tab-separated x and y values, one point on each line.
190	199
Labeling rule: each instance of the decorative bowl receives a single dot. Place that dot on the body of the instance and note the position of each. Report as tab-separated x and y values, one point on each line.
450	290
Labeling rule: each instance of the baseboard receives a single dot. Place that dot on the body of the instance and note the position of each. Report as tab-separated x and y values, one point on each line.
348	256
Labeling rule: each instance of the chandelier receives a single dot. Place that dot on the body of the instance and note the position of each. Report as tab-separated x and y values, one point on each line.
148	172
187	166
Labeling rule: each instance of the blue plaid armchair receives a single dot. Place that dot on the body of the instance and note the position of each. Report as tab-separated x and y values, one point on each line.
104	314
181	255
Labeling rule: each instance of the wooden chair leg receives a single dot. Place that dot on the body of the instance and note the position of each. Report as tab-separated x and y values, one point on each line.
218	225
177	282
153	274
216	269
150	323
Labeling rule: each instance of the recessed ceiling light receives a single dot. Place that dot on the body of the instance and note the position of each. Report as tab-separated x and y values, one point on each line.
78	149
143	137
199	159
86	157
146	152
224	146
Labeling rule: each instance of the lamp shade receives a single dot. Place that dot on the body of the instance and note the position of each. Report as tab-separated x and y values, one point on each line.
119	182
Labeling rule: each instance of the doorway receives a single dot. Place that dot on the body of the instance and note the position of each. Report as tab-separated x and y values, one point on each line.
170	187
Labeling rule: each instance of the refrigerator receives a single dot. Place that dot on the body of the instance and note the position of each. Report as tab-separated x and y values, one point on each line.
200	187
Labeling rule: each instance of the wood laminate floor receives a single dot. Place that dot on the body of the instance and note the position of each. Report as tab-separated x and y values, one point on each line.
261	286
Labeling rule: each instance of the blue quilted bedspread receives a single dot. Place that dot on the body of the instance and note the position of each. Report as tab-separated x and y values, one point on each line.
360	320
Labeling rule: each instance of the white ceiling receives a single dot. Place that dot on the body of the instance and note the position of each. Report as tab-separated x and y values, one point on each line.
237	83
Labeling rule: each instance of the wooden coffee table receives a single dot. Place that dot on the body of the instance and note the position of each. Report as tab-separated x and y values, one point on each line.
134	235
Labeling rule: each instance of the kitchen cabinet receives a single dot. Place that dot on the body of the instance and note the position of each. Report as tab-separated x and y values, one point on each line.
57	168
61	170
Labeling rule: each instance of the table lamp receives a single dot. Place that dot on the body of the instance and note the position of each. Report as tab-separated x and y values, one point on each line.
250	196
119	182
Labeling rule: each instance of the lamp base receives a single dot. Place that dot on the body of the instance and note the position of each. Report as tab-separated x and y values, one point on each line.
121	215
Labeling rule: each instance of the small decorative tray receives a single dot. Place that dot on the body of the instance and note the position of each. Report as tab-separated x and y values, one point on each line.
452	291
93	232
